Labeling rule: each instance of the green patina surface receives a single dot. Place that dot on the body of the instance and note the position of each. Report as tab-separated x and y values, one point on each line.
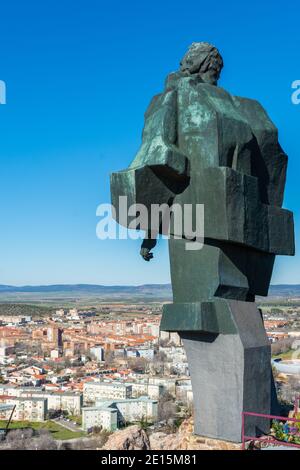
202	145
206	317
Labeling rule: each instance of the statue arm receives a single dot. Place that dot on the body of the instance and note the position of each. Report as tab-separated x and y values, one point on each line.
148	244
159	171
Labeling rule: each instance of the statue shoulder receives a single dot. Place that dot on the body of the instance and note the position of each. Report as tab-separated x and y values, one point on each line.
172	80
162	100
254	112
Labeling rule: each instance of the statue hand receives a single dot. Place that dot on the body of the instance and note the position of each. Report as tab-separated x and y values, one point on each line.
146	254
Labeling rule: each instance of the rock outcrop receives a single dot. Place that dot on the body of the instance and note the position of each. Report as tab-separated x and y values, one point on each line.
135	438
184	439
131	438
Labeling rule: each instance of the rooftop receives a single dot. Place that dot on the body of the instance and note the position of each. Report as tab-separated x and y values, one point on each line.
107	384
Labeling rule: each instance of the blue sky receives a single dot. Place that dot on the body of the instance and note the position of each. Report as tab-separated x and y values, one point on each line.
79	77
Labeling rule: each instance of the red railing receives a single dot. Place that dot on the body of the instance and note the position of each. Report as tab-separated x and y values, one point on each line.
267	438
296	404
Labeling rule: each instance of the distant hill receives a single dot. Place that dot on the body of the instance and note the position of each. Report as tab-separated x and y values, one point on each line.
156	290
23	310
83	294
285	290
88	289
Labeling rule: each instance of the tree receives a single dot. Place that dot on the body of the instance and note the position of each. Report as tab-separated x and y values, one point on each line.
164	342
102	438
281	346
290	390
52	414
16	439
166	407
138	364
44	441
109	358
96	429
25	439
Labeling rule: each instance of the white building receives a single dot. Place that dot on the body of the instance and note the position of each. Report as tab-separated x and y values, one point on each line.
134	409
174	353
171	337
104	417
93	391
294	334
15	319
168	384
184	391
10	390
190	397
60	312
146	353
65	401
153	391
98	353
131	353
54	354
73	314
112	414
154	329
26	409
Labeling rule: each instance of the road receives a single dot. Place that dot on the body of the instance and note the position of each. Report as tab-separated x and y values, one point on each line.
70	425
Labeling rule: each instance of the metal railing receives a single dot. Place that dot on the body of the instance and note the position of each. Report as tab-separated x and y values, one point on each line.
269	438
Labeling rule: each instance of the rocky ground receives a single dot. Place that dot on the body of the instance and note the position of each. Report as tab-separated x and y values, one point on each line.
135	438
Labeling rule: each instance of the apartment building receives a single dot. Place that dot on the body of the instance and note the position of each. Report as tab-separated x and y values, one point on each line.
67	401
93	391
146	353
98	353
153	391
171	337
11	390
112	414
15	319
168	384
135	409
184	391
104	417
26	409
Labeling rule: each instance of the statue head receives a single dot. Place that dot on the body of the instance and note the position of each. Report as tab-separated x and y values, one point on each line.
204	60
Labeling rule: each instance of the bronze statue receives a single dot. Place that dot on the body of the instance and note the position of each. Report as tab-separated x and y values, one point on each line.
202	145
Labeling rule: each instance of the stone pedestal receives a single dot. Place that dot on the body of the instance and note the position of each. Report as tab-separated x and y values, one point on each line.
230	368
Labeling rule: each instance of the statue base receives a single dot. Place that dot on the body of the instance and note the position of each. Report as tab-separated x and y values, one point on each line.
229	358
